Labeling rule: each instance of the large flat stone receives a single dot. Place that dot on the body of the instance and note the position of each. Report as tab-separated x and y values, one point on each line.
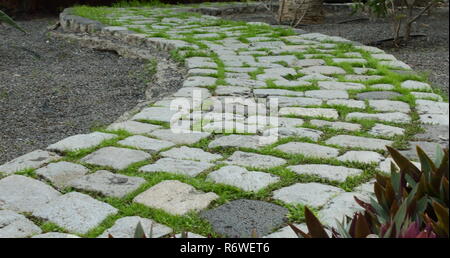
325	70
108	184
359	142
55	235
297	101
239	177
199	81
14	225
61	173
239	141
331	85
432	107
262	93
81	141
185	137
308	150
248	159
75	212
429	148
386	130
283	132
311	194
310	112
116	158
175	198
351	103
146	143
415	85
337	125
187	153
434	133
126	227
366	157
394	117
133	127
378	95
334	173
240	218
327	94
339	207
177	166
24	194
160	114
434	119
30	160
389	106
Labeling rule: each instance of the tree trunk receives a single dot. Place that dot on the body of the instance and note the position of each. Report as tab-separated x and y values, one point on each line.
292	10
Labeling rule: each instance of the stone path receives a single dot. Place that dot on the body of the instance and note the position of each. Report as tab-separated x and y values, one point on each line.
271	121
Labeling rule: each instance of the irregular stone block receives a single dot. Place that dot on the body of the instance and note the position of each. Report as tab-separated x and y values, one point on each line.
30	160
116	158
81	141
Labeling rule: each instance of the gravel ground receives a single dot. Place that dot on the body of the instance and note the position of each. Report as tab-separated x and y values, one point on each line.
67	91
428	54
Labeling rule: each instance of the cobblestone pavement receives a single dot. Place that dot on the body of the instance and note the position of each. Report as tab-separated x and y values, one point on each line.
270	121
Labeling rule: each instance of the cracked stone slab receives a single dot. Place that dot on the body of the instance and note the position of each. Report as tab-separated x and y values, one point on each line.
133	127
175	197
312	194
239	177
75	212
30	160
80	141
24	194
188	153
14	225
61	173
185	137
176	166
330	85
337	125
386	130
327	94
125	228
339	207
378	95
310	112
415	85
366	157
308	150
116	158
240	218
395	117
284	132
359	142
389	106
160	114
240	141
108	184
248	159
334	173
146	143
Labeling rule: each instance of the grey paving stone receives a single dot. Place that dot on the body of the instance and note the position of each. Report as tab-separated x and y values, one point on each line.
81	141
359	142
435	133
396	64
429	148
189	235
386	165
175	198
350	60
382	86
200	62
434	119
386	130
389	106
240	218
191	92
201	72
432	107
351	103
334	173
262	93
327	94
308	149
415	85
75	212
312	194
108	184
239	177
330	85
239	141
116	158
297	101
160	114
378	95
55	235
199	81
177	166
14	225
310	62
287	232
188	153
245	83
61	173
426	95
310	112
232	91
283	132
24	194
145	143
395	117
325	70
186	137
126	227
336	125
133	127
248	159
30	160
362	78
339	207
366	157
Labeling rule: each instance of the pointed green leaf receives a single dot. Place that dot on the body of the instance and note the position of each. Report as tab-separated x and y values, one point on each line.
6	19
